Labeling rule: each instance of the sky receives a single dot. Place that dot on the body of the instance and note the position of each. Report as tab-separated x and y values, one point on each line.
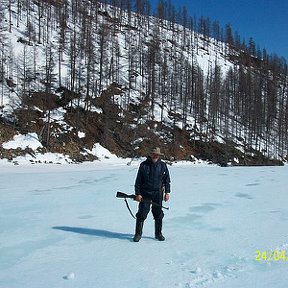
263	20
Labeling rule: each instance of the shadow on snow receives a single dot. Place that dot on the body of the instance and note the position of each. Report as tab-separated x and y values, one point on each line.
96	232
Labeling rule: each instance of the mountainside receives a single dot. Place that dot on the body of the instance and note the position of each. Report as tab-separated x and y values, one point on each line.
77	73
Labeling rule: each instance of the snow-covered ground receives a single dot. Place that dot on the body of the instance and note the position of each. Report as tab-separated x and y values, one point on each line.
61	226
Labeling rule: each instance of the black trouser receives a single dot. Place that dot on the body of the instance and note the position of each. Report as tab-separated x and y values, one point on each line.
144	206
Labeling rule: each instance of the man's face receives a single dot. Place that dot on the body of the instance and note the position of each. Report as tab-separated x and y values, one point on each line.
155	157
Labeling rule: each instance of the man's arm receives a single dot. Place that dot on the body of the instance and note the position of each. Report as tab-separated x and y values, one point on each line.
166	179
166	183
138	181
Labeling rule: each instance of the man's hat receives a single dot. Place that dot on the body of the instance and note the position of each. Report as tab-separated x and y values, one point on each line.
157	151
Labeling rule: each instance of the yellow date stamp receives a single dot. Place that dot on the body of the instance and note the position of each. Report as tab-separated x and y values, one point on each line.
271	255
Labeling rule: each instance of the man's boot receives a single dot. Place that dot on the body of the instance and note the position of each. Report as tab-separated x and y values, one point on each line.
138	230
158	230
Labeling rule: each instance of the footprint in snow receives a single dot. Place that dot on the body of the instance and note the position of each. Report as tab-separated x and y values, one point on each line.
243	195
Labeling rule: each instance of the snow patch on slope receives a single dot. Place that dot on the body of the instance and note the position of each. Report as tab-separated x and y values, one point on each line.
29	140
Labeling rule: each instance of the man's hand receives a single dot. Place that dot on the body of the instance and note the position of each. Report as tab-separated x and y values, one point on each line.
138	198
166	197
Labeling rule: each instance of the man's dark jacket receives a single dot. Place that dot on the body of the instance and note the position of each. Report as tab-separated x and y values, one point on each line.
151	178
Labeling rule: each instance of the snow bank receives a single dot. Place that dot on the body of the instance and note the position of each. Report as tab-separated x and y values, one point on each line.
102	153
29	140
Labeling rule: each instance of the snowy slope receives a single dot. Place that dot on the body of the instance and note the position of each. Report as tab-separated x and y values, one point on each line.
61	226
208	53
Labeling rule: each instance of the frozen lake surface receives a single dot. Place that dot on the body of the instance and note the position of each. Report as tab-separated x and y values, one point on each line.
61	226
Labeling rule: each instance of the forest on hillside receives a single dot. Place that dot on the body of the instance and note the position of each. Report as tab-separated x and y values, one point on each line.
83	47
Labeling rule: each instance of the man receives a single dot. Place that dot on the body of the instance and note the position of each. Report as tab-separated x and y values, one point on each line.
152	182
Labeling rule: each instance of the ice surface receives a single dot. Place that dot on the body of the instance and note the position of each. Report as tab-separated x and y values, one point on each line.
61	220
